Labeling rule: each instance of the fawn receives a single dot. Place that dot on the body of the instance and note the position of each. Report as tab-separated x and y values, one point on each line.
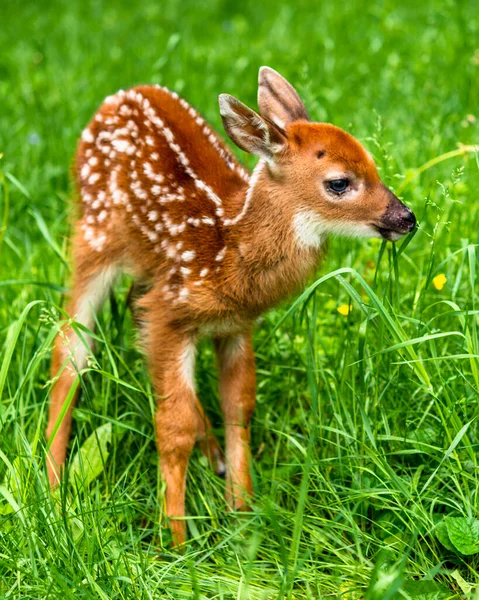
162	198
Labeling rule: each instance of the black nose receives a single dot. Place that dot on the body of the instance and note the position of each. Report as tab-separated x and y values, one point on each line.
408	218
398	219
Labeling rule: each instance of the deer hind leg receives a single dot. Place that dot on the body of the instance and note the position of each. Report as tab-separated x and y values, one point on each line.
208	443
238	397
91	286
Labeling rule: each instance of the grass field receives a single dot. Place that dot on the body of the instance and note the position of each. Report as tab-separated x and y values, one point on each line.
365	437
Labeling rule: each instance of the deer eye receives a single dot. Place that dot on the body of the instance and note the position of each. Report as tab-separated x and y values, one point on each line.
338	185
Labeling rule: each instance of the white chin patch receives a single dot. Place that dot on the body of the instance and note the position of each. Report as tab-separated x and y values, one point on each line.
311	229
394	237
354	230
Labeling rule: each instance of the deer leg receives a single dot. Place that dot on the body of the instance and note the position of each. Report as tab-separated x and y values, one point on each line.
238	396
69	357
208	443
177	422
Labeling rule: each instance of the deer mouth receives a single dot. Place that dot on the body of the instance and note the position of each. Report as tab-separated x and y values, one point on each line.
397	221
392	235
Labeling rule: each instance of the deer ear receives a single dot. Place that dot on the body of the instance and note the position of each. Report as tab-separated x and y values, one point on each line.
248	130
278	101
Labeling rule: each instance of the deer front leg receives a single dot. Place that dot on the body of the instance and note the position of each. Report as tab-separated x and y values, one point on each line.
178	421
238	397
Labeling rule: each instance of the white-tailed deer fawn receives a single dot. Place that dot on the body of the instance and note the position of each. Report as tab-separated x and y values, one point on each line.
162	198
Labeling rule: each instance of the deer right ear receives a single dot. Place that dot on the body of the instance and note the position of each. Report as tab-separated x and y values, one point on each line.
278	101
248	130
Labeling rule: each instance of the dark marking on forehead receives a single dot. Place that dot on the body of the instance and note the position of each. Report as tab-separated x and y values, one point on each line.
336	146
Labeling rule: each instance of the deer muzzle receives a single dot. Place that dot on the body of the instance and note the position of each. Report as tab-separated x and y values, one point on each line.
396	221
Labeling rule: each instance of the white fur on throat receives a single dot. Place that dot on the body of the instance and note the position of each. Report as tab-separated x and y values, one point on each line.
311	229
308	229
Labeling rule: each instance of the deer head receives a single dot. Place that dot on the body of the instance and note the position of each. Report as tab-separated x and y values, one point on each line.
320	171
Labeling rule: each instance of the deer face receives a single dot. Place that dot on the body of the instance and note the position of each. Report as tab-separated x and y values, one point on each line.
339	186
331	179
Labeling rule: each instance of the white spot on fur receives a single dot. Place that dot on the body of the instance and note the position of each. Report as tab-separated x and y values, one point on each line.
98	242
221	254
123	146
183	295
188	255
87	136
85	171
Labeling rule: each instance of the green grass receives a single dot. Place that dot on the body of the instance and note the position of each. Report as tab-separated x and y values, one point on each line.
366	432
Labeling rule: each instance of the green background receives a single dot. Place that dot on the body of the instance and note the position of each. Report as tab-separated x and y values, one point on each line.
359	448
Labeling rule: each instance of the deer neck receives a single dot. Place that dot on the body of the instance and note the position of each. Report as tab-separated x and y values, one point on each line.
274	258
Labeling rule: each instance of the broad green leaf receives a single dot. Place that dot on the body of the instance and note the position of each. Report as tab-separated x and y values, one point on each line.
425	590
89	461
443	536
464	534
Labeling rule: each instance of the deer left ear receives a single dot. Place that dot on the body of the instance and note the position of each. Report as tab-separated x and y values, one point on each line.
250	131
278	101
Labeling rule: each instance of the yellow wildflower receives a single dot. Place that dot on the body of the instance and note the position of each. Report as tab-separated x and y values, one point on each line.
439	281
346	592
345	309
